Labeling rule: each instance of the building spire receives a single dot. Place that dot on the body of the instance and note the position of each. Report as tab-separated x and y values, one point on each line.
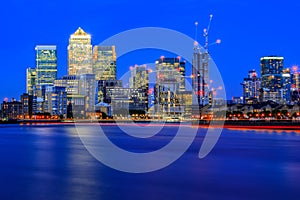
80	31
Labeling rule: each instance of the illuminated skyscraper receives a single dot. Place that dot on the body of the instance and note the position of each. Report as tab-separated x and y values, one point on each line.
80	91
139	80
30	80
104	62
56	100
295	88
251	87
296	80
170	72
275	80
271	70
46	64
139	77
286	84
200	75
170	81
80	53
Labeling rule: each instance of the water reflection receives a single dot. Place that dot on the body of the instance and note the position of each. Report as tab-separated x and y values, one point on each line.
49	162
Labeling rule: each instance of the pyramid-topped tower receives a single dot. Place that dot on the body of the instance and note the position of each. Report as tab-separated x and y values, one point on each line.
80	53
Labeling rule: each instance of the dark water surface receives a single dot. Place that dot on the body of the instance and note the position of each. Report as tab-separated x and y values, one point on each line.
50	162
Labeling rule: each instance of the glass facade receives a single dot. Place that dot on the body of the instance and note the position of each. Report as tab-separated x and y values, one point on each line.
56	100
104	62
295	91
170	81
251	87
171	72
200	76
46	64
80	53
30	80
275	80
139	79
271	70
27	103
80	91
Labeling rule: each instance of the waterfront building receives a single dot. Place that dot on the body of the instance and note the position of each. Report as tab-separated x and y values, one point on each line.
46	64
38	105
251	86
27	105
295	88
139	80
11	110
104	62
170	80
80	91
103	86
237	100
87	88
171	72
200	75
56	101
70	82
286	85
80	53
296	80
103	110
30	80
185	103
126	101
275	80
139	77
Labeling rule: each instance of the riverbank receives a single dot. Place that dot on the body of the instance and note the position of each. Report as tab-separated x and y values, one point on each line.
245	124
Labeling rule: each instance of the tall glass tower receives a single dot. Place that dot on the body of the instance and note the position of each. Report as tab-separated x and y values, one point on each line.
80	53
271	70
139	80
30	80
170	81
275	80
46	64
139	77
104	62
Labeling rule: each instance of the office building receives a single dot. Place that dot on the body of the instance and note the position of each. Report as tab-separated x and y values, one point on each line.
295	87
56	101
80	53
87	87
11	110
103	86
30	80
39	92
170	80
70	82
251	86
80	91
126	101
200	76
275	80
46	64
27	105
104	62
139	80
286	85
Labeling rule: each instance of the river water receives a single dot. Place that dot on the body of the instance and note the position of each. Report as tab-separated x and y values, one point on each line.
50	162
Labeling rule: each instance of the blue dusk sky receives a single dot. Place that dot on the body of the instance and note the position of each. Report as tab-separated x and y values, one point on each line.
248	30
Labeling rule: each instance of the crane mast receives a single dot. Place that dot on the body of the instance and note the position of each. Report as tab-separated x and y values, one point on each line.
201	67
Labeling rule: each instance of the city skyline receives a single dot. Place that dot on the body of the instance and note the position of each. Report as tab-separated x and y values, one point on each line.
246	36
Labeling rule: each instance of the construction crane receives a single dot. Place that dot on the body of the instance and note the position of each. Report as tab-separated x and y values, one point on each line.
201	65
